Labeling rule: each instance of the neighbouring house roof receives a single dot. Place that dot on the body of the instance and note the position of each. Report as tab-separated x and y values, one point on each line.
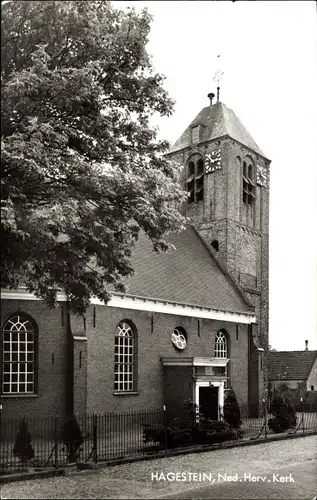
290	365
218	121
187	274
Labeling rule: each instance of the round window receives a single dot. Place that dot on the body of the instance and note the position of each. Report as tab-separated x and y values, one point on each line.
179	338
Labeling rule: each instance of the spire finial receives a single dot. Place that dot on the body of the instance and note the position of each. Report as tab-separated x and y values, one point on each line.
218	76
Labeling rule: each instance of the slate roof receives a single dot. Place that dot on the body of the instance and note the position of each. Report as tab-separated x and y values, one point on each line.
290	365
187	275
219	121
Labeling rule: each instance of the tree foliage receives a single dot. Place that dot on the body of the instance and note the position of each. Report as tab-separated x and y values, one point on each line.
82	169
283	414
231	410
23	447
72	438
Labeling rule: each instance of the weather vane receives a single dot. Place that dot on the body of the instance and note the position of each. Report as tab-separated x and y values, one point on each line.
217	78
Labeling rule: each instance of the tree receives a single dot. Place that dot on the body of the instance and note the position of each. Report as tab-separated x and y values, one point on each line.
23	447
82	169
283	414
231	410
72	439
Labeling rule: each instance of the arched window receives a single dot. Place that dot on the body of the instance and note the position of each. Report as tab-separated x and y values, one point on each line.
195	180
125	357
19	355
221	345
248	184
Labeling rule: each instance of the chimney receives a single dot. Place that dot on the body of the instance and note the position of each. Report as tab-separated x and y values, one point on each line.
306	345
211	96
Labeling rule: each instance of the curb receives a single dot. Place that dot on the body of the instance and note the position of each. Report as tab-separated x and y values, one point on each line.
91	466
24	476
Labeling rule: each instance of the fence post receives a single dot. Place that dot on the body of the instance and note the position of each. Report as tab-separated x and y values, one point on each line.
165	428
302	408
265	419
95	438
56	441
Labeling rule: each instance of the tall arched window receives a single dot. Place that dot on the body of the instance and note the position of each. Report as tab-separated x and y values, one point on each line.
221	345
248	184
19	355
125	358
195	179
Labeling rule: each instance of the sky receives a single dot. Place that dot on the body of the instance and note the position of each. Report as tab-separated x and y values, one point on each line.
268	53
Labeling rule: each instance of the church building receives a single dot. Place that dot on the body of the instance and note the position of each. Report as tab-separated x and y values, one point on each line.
193	321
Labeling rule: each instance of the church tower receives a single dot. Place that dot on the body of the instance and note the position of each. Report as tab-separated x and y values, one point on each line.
226	176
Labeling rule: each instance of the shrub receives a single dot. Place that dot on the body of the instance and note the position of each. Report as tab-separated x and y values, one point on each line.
186	429
284	416
172	436
231	410
214	431
23	448
72	439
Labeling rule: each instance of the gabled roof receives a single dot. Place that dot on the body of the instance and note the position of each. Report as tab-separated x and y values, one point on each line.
290	365
219	121
188	274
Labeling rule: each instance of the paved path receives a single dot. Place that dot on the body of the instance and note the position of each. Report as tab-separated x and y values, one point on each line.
149	480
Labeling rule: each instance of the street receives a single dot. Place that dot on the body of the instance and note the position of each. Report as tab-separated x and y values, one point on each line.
270	485
200	475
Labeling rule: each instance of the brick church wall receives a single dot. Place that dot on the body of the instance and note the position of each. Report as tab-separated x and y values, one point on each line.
52	345
93	360
152	345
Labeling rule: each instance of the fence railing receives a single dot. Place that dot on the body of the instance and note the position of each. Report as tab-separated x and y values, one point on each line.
58	441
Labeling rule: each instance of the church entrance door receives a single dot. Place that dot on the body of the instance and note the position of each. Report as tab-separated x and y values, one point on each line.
209	402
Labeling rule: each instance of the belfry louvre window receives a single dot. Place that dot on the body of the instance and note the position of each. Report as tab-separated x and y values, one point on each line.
248	184
221	345
195	180
195	134
18	356
124	358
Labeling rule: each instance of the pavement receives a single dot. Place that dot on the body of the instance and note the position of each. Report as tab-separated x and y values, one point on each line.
294	459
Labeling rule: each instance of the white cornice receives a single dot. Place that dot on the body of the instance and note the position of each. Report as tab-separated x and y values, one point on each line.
196	361
148	304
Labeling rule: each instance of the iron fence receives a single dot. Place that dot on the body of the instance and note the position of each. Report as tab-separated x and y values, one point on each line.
58	441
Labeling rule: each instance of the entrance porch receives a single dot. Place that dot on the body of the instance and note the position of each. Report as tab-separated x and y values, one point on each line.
201	380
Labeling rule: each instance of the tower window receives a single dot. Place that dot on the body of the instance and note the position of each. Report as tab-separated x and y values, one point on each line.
195	134
215	245
248	184
195	180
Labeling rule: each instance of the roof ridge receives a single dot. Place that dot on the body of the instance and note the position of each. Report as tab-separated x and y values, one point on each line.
291	365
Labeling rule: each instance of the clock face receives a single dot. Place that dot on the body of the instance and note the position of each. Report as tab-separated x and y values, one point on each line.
261	176
213	161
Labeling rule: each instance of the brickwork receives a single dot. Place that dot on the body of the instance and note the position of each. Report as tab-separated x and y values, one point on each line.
178	385
151	346
242	237
93	360
80	376
52	354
